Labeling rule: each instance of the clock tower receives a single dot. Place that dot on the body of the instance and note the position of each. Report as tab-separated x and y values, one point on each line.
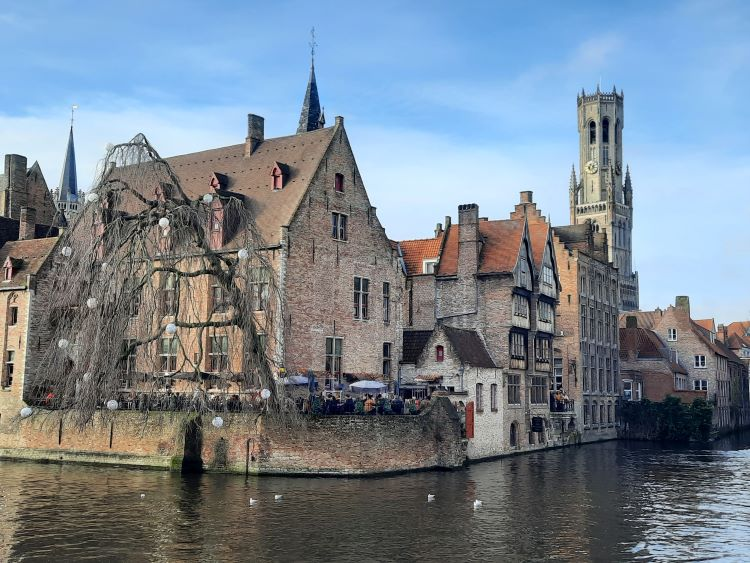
604	194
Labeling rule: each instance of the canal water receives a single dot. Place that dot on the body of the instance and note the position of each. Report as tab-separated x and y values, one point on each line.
604	502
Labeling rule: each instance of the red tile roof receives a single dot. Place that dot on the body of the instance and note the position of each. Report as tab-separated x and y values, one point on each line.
740	328
501	243
708	324
538	233
415	251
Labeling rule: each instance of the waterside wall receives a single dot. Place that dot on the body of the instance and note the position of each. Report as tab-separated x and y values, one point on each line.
247	443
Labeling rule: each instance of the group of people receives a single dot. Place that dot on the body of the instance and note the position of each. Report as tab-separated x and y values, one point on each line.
383	404
559	401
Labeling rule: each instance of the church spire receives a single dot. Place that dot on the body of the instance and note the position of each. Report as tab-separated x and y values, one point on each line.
573	179
311	117
69	179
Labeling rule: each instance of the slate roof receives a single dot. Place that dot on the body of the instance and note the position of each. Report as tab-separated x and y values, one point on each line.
251	176
30	254
414	342
469	347
69	179
415	251
501	243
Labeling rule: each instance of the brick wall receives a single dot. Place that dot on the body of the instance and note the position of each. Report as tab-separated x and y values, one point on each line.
320	273
341	445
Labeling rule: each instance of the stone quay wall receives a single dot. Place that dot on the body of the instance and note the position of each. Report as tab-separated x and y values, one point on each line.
325	445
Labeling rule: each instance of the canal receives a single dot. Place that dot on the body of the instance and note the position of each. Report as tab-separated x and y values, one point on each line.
604	502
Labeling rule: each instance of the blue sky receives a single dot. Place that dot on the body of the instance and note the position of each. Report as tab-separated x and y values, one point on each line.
445	103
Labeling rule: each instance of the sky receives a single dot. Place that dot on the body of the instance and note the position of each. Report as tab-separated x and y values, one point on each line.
444	102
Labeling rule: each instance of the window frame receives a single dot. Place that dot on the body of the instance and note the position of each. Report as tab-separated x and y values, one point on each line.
699	361
13	315
334	354
339	226
218	356
514	389
168	354
493	397
339	183
386	302
671	335
479	397
387	358
361	298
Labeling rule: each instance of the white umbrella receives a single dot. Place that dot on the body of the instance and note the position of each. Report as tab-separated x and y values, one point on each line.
295	380
361	386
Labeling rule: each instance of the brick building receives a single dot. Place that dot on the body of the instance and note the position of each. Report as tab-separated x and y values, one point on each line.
325	246
648	369
587	352
736	337
22	187
494	292
711	366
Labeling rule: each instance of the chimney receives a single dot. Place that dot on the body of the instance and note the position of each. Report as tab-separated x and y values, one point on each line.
723	333
631	321
682	302
27	223
447	222
255	133
14	194
438	230
468	239
527	197
339	121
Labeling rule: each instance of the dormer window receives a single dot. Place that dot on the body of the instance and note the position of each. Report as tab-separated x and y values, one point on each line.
8	267
429	265
279	175
439	353
338	183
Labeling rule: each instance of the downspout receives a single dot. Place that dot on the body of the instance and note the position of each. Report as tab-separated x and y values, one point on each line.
283	256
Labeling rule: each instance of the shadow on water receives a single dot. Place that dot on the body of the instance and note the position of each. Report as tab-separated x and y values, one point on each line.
614	501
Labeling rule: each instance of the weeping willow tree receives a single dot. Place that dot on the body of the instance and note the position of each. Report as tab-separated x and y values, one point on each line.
159	299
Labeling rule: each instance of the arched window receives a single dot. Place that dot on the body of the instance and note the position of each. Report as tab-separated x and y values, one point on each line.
514	435
617	131
439	353
605	130
592	133
594	413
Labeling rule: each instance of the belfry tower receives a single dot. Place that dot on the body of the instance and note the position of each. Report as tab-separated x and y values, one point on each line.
603	196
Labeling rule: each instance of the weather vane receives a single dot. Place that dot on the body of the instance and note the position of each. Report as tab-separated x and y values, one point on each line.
73	109
313	44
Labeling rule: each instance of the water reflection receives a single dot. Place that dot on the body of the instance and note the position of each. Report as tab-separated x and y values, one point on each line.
604	502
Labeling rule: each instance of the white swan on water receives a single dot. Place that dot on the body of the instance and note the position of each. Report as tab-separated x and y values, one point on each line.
278	497
430	498
477	504
253	501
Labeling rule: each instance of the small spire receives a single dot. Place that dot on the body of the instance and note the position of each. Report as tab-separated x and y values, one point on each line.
583	93
311	115
597	88
614	89
69	179
573	179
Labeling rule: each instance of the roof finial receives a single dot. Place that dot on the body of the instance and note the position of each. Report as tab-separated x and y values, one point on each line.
312	44
73	109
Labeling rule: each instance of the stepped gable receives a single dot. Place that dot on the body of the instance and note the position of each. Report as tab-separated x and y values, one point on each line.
414	252
250	176
500	245
469	347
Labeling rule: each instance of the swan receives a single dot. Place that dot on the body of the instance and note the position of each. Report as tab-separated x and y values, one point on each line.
253	501
430	498
278	497
143	495
477	504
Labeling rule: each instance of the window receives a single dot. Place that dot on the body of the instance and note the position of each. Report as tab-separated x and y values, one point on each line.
219	297
333	355
538	390
428	266
605	130
386	302
543	350
439	353
13	316
218	353
592	133
386	358
700	385
583	321
546	312
259	294
558	373
338	226
520	306
169	295
10	363
592	323
586	414
480	397
361	298
699	361
517	350
672	334
523	271
605	155
594	413
278	182
493	397
514	389
547	276
338	183
168	354
134	304
8	273
602	415
127	364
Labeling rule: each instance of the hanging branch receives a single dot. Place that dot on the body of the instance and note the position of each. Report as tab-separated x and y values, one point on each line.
145	306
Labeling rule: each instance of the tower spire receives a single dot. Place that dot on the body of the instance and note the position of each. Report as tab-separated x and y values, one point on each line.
311	117
68	191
